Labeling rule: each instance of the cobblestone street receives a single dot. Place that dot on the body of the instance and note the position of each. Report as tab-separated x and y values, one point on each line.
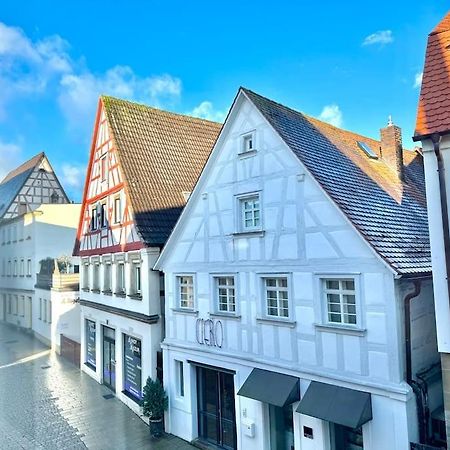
46	403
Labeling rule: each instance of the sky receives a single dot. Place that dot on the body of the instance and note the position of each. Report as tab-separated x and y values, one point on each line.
349	63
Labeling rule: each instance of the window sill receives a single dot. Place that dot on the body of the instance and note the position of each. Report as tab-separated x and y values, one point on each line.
95	291
247	154
191	312
340	329
280	322
107	292
90	366
132	397
120	294
253	233
225	315
135	296
85	289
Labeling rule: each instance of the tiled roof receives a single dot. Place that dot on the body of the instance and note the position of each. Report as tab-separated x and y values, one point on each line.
14	180
390	214
161	155
433	115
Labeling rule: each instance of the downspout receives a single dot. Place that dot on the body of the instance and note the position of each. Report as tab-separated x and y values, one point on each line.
421	407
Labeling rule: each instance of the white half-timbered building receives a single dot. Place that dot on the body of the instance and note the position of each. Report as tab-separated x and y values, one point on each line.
143	164
299	305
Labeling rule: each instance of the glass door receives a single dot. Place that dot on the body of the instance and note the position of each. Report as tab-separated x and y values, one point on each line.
216	410
281	428
109	358
345	438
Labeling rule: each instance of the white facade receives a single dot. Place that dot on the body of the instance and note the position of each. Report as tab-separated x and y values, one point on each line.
107	302
300	237
47	232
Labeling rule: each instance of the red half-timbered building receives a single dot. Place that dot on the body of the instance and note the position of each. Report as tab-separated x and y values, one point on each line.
143	164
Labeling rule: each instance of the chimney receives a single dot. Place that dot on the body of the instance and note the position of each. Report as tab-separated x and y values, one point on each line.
391	148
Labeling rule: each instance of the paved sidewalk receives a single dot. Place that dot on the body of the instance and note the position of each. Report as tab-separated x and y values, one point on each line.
46	403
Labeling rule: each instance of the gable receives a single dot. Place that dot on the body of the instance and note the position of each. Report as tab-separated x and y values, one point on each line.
112	229
301	225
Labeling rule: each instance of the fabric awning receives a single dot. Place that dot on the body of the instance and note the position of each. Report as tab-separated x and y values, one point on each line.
336	404
271	387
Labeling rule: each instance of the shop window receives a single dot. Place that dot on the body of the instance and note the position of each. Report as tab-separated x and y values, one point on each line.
90	330
132	367
345	438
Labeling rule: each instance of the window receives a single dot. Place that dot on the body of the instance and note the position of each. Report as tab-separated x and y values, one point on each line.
117	209
90	349
16	305
120	278
250	212
179	377
95	276
132	363
248	143
94	224
226	298
28	267
186	292
49	311
136	267
276	295
103	218
103	168
22	268
40	308
107	277
22	305
9	305
341	301
15	267
44	308
9	268
86	276
54	198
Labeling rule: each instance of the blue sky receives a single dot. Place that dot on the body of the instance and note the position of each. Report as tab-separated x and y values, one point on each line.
350	63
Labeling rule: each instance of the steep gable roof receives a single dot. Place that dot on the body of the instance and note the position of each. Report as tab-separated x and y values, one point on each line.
433	115
13	182
161	155
389	213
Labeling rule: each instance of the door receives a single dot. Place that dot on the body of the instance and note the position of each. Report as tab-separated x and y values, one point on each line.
216	410
281	424
109	358
345	438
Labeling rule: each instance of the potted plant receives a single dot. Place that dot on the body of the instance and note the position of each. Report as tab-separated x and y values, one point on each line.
154	403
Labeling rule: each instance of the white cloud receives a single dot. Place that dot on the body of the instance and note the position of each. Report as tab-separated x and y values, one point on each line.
10	157
26	66
206	111
418	80
73	176
380	37
332	114
79	92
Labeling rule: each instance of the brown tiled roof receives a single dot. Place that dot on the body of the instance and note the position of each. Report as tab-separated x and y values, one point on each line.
390	214
161	155
433	115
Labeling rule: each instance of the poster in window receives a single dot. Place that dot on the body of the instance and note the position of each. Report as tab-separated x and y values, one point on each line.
90	343
132	367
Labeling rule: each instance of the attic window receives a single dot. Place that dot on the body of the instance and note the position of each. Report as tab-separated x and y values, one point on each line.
367	150
247	144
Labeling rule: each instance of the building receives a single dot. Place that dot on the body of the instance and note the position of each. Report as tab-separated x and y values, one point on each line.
143	164
27	243
433	130
299	304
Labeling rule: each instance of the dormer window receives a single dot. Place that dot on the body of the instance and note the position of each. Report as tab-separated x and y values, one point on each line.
248	143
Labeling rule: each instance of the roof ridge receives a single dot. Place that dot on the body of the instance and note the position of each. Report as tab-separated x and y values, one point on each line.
24	166
158	110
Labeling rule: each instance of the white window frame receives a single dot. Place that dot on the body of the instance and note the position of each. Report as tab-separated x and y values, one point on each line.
178	283
243	141
94	219
356	292
122	285
241	199
107	280
277	288
28	267
180	378
217	286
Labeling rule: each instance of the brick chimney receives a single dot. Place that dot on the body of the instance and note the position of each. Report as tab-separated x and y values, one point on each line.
391	148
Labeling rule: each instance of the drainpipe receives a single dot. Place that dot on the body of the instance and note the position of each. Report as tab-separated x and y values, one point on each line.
421	407
435	138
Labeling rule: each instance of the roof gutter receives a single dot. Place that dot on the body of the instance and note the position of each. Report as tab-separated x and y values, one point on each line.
436	139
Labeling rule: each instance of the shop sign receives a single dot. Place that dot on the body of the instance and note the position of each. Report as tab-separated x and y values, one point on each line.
209	332
132	366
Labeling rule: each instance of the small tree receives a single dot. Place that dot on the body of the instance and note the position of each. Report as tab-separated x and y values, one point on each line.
154	400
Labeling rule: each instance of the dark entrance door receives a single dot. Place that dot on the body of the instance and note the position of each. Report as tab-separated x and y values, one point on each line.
281	428
109	358
216	411
346	438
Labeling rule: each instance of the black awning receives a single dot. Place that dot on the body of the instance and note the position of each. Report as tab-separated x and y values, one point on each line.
271	387
336	404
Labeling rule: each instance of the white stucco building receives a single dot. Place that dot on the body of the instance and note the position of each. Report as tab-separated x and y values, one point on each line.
286	281
433	131
143	164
